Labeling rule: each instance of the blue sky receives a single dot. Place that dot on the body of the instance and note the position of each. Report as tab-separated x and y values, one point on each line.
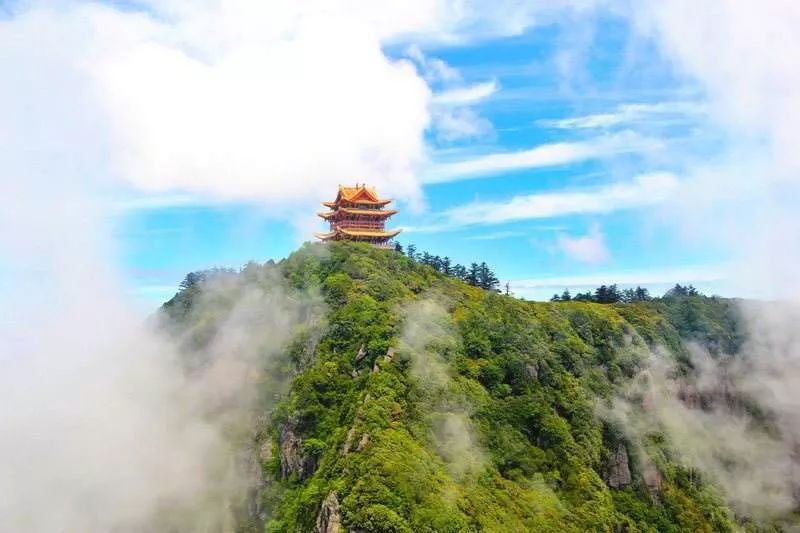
623	82
567	144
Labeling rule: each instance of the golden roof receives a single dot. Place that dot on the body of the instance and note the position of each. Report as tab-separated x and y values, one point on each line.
351	193
360	194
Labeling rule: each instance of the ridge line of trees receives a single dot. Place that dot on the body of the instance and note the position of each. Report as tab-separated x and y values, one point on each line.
477	274
609	294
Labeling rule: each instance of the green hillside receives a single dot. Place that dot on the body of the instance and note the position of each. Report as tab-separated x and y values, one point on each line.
406	401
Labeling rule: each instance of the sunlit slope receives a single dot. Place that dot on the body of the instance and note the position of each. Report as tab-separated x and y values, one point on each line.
413	402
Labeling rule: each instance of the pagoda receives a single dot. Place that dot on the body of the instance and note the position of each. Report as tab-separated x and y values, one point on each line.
358	214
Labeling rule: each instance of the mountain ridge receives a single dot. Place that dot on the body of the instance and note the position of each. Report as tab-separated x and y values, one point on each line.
415	402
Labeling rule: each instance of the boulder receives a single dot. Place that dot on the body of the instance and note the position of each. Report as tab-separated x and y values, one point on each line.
329	519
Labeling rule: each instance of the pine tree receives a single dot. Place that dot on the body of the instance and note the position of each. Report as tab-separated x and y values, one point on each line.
411	251
677	291
628	295
473	275
426	259
607	294
192	279
446	268
486	278
436	263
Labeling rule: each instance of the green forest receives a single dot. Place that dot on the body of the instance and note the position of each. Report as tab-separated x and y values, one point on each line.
418	402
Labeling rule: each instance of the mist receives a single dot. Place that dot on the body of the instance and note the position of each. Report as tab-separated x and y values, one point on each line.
106	425
733	417
428	338
111	424
709	423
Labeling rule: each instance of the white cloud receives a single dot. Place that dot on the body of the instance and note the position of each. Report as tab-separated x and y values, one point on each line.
433	69
272	120
746	56
467	95
453	115
644	190
545	155
266	101
589	248
282	113
460	123
629	113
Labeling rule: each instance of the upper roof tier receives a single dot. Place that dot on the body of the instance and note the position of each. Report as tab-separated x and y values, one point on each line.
358	195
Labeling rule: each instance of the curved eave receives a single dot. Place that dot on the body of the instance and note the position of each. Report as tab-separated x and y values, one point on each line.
369	202
368	212
337	204
374	213
357	234
367	233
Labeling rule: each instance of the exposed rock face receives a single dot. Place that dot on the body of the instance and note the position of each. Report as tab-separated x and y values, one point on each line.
652	479
348	442
618	472
389	355
329	519
292	459
361	353
531	371
351	434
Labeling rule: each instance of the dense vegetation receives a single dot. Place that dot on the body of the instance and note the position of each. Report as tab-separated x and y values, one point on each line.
499	432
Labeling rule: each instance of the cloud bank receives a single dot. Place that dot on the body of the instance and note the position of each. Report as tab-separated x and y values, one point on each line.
244	100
